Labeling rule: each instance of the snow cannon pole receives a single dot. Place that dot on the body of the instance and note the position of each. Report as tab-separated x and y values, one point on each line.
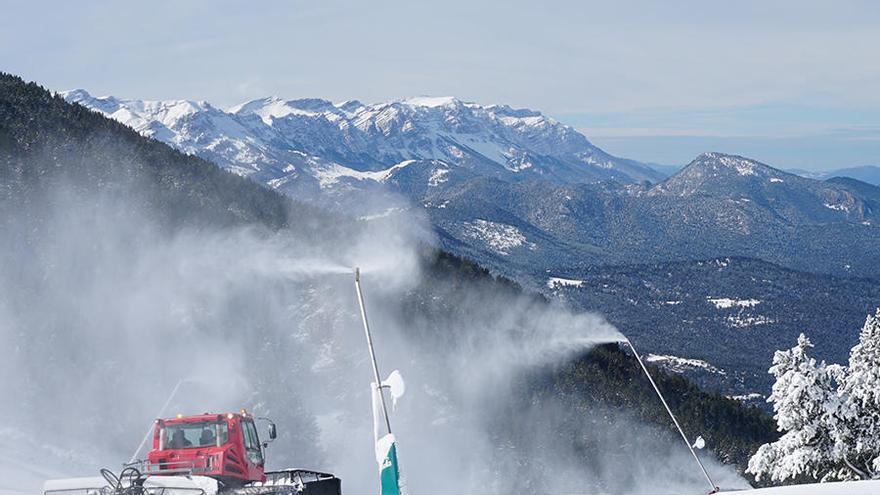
376	376
715	488
161	413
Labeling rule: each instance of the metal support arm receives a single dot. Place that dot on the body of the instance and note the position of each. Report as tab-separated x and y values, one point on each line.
715	488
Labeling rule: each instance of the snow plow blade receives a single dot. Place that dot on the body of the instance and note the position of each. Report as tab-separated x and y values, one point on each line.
305	481
286	482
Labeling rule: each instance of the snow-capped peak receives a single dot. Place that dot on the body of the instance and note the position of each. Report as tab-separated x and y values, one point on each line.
274	107
77	95
742	165
714	167
745	182
159	119
430	101
104	104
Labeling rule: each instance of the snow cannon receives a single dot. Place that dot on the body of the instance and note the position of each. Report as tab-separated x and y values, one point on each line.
222	446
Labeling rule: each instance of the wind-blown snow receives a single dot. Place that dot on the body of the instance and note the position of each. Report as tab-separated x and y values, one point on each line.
383	214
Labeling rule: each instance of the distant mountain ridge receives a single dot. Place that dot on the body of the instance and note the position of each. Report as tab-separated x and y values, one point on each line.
719	205
307	145
865	173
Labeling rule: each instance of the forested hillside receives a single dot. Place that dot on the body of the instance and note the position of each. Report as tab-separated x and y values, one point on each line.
729	314
606	378
45	141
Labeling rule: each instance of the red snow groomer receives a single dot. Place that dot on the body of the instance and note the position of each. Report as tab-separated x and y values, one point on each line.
222	446
206	454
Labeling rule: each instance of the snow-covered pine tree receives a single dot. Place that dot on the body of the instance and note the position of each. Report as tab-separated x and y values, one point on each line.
859	437
805	404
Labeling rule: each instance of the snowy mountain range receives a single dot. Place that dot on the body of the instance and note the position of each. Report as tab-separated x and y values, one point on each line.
719	205
306	146
516	190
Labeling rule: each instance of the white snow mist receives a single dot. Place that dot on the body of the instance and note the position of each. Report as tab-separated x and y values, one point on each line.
103	311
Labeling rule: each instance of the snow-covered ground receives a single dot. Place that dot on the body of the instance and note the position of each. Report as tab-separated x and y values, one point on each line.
680	365
727	303
26	463
747	397
498	237
557	282
843	488
748	321
330	174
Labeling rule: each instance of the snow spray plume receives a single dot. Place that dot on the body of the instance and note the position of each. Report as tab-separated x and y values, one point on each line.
104	309
467	349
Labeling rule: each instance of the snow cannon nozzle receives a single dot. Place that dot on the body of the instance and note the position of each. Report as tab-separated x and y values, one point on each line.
357	274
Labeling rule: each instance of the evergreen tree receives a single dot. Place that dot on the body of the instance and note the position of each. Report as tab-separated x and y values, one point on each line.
805	403
860	414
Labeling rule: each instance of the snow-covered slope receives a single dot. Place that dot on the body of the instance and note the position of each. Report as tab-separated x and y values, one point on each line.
842	488
311	143
25	462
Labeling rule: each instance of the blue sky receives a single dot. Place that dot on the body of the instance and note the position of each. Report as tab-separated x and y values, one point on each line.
794	84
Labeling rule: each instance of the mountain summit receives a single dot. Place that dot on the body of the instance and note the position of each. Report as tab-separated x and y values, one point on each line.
742	180
718	173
